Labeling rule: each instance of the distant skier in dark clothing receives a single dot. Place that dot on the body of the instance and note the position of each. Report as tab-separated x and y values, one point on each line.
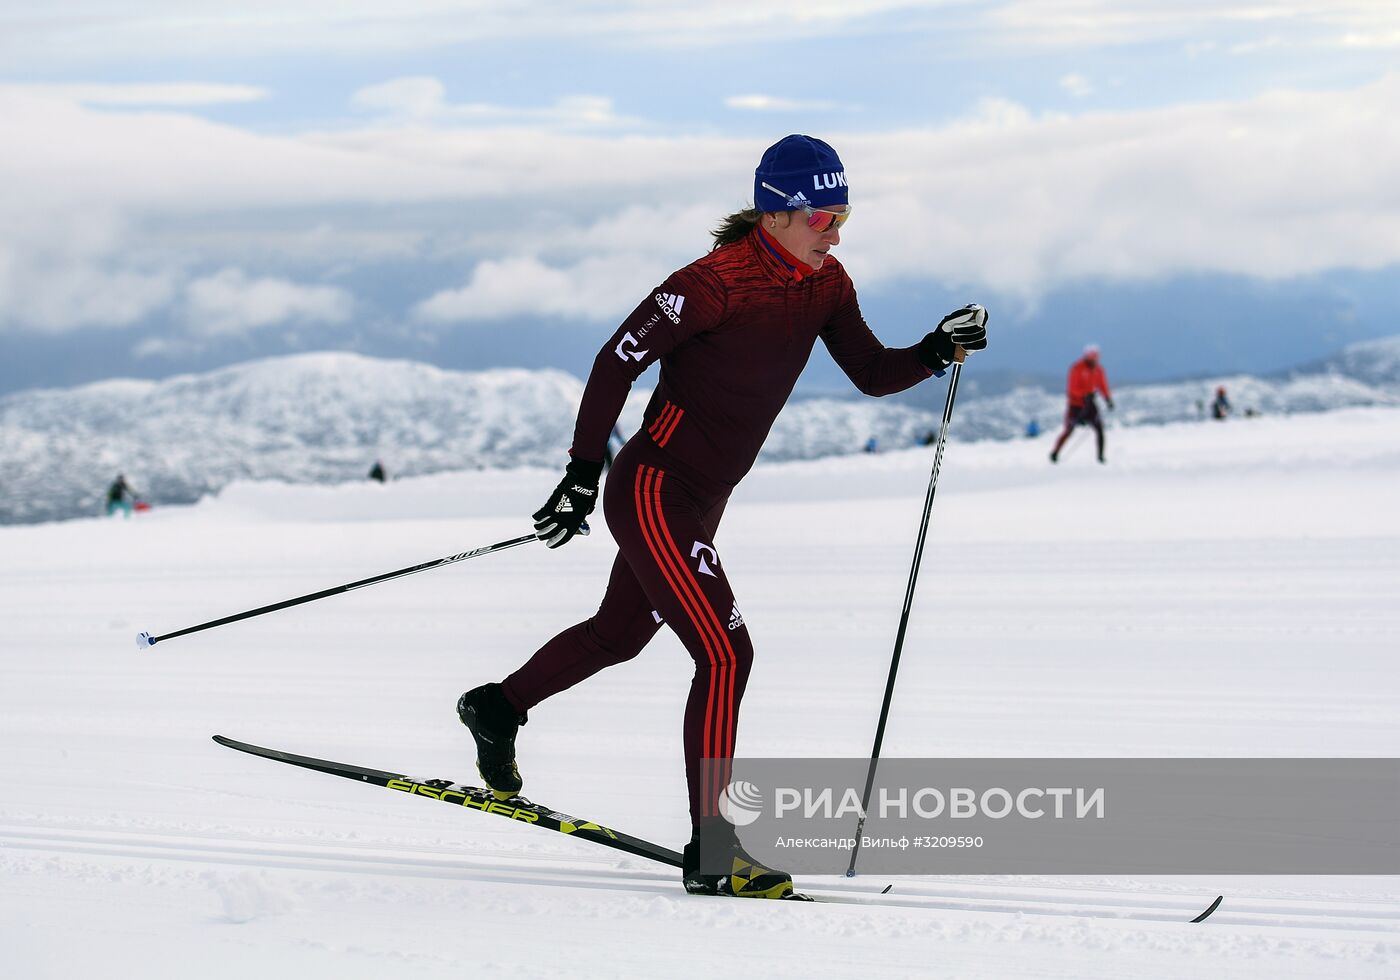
1220	408
376	472
1086	377
732	332
120	496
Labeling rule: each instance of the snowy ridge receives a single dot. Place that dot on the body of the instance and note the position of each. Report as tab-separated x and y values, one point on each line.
1375	362
309	418
326	417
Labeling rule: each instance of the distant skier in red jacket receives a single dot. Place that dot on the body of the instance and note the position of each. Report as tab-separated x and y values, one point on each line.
1085	378
732	331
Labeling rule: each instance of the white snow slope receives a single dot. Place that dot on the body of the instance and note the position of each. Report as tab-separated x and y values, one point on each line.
1220	589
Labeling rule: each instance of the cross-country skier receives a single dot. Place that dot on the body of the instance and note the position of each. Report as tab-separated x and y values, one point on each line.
120	497
1220	408
732	332
1085	378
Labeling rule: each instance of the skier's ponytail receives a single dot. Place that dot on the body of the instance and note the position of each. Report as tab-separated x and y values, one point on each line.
735	227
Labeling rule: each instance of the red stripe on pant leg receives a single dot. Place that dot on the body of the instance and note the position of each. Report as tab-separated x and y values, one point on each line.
659	422
713	641
675	421
694	602
731	661
646	497
725	648
710	728
708	630
722	703
642	498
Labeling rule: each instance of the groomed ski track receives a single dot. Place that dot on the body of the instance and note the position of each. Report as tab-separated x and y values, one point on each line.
1170	604
952	894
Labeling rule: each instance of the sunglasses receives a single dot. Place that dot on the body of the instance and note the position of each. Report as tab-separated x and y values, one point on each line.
818	221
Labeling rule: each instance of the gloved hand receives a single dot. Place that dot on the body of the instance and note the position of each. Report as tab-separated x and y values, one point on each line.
572	501
1109	402
965	328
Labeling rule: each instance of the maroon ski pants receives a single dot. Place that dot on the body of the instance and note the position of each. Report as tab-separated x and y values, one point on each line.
1076	415
667	570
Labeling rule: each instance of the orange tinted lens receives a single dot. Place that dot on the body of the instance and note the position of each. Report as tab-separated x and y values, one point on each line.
823	221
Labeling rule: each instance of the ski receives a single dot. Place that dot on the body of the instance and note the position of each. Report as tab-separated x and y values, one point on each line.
473	798
482	800
520	809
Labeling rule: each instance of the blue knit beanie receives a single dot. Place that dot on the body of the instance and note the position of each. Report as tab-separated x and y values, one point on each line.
804	167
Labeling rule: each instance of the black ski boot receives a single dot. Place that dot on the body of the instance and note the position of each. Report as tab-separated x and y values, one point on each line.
493	723
746	878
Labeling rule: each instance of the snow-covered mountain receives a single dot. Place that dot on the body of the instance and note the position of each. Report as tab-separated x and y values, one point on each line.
326	417
1375	362
309	418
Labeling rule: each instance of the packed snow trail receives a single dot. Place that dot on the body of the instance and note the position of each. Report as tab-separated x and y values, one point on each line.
1215	590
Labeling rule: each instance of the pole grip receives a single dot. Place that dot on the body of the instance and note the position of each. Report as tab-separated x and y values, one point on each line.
959	355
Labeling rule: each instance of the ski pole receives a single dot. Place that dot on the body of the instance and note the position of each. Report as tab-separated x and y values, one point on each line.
145	641
958	356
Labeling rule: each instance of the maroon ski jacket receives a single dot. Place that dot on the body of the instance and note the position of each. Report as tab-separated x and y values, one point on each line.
733	330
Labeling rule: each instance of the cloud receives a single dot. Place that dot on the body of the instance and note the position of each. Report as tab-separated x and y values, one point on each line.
91	31
593	289
628	251
1077	85
773	103
152	94
287	240
1101	23
1255	45
77	294
101	209
414	96
89	34
423	100
1283	185
579	224
1378	39
232	302
162	161
61	270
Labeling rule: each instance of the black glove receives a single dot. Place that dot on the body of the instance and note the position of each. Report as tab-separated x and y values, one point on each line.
1109	402
965	328
572	501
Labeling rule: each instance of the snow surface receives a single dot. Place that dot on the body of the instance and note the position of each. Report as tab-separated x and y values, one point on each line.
1217	590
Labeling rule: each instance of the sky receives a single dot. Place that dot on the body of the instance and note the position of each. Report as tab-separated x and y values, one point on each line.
1197	186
